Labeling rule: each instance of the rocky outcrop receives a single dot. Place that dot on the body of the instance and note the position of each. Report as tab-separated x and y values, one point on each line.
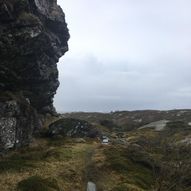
68	127
33	36
17	123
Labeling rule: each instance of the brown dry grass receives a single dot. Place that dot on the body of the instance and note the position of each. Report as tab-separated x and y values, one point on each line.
67	169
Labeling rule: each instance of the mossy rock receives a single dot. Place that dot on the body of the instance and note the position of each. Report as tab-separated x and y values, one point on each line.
69	127
36	183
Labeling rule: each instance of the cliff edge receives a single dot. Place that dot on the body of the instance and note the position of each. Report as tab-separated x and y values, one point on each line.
33	36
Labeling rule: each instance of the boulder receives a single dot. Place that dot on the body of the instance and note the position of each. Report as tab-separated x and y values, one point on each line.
33	36
73	128
18	121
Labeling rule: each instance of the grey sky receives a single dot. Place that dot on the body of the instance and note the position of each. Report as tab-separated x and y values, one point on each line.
125	55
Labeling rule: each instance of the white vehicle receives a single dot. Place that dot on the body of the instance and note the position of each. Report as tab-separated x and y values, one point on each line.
105	141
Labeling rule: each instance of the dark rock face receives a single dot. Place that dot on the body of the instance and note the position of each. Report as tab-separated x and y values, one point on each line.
73	128
33	36
17	123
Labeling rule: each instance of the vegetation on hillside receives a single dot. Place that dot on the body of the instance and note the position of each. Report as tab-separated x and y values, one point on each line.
136	160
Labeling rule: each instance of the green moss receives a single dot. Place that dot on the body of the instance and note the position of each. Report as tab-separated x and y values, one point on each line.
29	158
116	160
36	183
22	160
126	187
121	187
136	172
14	165
57	141
60	154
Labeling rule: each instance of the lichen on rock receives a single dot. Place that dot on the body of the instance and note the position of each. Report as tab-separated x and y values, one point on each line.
69	127
33	36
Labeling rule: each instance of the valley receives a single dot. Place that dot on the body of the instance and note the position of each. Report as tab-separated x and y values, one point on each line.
135	159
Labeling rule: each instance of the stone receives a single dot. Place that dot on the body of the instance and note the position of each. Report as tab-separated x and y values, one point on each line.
76	128
8	132
33	36
31	44
18	121
91	186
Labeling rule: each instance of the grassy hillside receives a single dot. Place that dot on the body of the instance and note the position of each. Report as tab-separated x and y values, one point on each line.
129	120
135	160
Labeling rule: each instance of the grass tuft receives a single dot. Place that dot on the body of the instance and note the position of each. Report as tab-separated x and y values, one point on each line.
36	183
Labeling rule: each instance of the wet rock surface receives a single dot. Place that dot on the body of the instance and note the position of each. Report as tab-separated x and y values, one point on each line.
33	36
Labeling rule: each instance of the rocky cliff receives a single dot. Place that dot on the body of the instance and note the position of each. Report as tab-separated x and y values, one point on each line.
33	36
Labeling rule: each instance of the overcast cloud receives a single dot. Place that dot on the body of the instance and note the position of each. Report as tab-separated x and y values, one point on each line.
126	55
